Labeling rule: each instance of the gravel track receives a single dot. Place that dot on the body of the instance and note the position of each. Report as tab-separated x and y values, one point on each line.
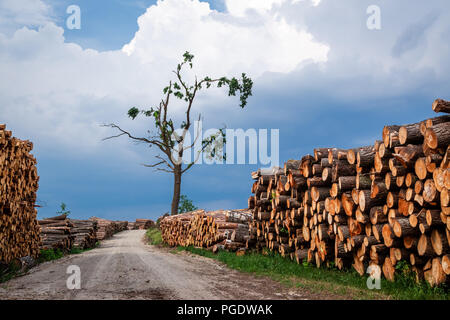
124	267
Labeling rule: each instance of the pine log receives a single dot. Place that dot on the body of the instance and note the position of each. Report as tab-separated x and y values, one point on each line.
438	135
439	242
424	246
440	105
410	134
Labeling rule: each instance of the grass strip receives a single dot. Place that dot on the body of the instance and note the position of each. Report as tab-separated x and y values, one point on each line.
340	282
153	236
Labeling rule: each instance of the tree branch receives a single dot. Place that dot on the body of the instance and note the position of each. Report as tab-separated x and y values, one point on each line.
164	148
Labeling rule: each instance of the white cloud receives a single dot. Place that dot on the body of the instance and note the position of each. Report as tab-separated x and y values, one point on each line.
17	13
254	45
58	93
239	7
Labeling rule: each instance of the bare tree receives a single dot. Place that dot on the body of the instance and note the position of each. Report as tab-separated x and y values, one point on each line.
167	139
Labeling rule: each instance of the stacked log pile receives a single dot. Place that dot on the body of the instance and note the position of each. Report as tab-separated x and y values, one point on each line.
222	229
19	231
120	226
175	229
374	205
107	228
84	233
143	224
56	233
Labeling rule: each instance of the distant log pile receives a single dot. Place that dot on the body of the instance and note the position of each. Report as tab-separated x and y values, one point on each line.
107	228
56	233
19	231
226	229
374	205
63	233
84	233
141	224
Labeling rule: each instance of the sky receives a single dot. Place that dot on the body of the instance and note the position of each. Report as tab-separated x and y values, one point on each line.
321	76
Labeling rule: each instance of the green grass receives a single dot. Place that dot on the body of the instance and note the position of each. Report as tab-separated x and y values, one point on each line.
76	250
347	283
13	269
7	272
50	255
154	236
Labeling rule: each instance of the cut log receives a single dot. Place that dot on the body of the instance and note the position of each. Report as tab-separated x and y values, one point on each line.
347	183
342	168
365	156
424	246
403	228
366	202
417	218
363	182
410	134
388	235
440	105
381	165
388	269
445	262
376	215
430	193
439	242
438	136
387	132
433	218
420	168
438	275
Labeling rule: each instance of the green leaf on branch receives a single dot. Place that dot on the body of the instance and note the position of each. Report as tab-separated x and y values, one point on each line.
133	113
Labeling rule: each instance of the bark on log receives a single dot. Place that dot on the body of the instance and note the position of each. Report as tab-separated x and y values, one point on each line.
438	136
410	134
440	105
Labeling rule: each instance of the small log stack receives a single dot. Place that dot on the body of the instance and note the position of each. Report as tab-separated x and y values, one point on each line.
107	228
19	231
175	229
120	226
143	224
225	229
373	205
84	232
56	233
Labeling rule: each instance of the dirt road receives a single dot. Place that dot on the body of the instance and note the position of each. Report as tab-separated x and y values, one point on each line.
124	267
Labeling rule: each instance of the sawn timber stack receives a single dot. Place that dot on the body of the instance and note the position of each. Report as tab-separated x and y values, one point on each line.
107	228
19	231
84	232
369	206
226	229
56	233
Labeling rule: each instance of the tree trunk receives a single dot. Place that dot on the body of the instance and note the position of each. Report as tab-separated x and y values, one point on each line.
176	190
